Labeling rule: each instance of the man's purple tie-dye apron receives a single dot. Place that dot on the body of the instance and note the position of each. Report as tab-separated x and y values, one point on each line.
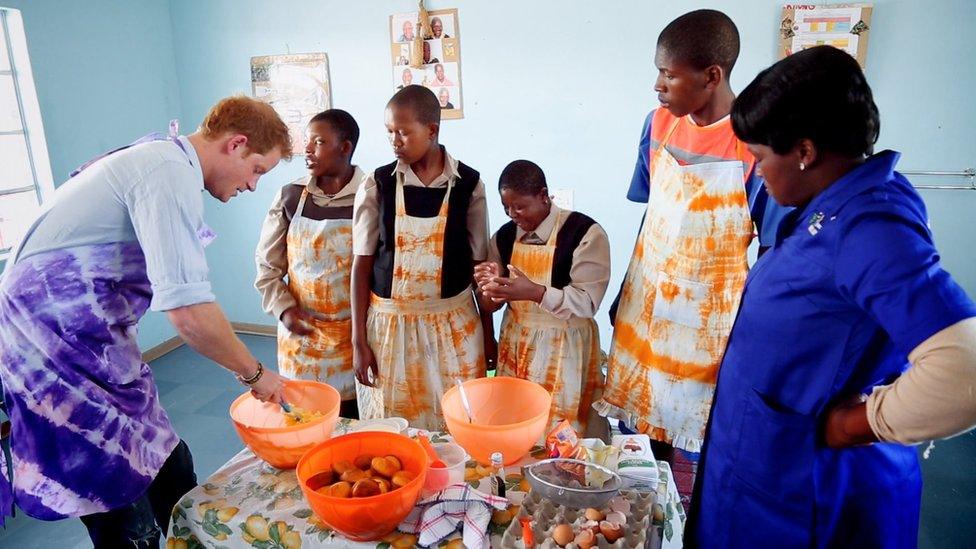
88	432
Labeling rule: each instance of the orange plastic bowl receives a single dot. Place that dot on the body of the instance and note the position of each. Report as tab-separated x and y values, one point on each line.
510	415
364	519
262	426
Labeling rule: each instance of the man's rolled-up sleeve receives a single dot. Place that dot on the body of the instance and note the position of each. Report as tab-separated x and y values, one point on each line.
166	209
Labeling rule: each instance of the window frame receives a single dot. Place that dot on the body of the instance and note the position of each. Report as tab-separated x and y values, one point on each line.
32	127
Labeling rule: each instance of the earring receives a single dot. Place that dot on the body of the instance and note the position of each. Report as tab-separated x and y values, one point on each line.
802	166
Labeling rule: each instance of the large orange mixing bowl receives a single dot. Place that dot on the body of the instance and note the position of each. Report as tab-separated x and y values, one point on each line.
262	426
510	415
370	518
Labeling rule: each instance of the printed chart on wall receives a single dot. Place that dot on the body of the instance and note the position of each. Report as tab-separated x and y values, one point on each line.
434	62
844	26
296	85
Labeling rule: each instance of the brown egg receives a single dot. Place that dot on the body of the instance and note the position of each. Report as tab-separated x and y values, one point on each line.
585	539
325	478
383	484
340	489
402	478
363	462
353	475
562	535
365	488
594	514
612	532
396	462
342	466
384	466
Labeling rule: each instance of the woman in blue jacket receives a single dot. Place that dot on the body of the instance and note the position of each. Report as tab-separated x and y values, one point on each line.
808	443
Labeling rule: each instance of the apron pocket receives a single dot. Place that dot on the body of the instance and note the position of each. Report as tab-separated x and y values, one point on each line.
776	449
679	300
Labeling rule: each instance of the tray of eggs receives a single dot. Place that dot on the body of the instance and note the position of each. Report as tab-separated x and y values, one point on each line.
362	477
624	522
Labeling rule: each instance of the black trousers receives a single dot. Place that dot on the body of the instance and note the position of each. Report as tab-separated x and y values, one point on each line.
139	524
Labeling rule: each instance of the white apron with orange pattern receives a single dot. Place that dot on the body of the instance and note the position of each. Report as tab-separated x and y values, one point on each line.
679	299
319	275
561	355
421	342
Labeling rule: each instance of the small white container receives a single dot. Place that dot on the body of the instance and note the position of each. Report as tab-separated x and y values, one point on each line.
455	458
388	425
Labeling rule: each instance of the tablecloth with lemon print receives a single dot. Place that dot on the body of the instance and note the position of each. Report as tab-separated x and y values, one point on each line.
249	504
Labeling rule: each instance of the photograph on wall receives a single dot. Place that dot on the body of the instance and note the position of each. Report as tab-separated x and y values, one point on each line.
297	86
404	76
440	75
442	27
433	51
401	54
844	26
438	65
403	27
444	96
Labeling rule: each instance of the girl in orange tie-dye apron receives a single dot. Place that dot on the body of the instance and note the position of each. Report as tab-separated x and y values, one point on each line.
304	259
562	355
679	299
422	341
559	268
319	270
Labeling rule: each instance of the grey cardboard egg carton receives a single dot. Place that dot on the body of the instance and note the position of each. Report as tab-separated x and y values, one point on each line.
547	515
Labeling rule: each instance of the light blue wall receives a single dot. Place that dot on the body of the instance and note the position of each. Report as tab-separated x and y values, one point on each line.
105	75
567	85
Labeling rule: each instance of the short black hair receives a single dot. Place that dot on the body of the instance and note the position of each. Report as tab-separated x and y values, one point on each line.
343	123
523	177
702	38
819	94
420	100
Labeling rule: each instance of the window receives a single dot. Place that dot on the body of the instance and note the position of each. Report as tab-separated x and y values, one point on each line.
25	171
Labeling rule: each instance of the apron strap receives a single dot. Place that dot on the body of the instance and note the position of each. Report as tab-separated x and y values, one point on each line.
669	133
447	199
662	148
173	135
301	204
401	204
555	230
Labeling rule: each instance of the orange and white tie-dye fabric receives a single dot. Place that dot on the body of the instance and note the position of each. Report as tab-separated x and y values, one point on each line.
421	342
561	355
319	273
419	253
679	300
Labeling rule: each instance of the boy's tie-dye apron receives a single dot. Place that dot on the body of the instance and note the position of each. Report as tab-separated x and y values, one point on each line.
561	355
422	342
679	299
319	276
88	433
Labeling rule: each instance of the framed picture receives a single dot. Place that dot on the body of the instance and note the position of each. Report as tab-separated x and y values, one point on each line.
441	71
297	86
